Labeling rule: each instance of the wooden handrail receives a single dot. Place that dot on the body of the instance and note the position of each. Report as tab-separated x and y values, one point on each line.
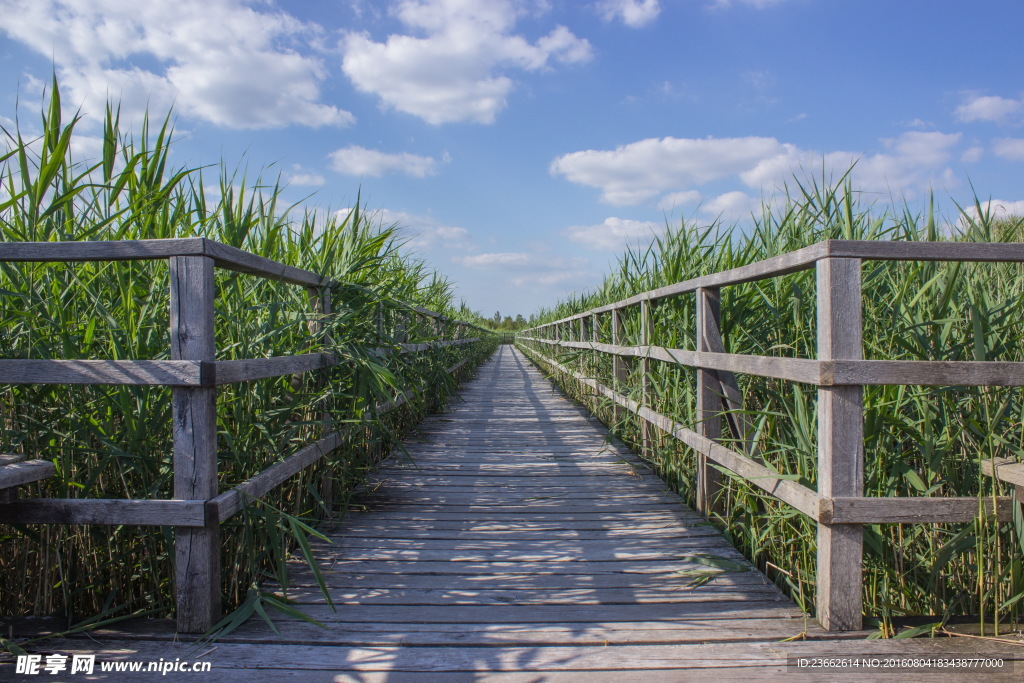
193	374
839	373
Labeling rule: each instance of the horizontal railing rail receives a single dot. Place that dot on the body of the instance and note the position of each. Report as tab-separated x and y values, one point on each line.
198	507
839	373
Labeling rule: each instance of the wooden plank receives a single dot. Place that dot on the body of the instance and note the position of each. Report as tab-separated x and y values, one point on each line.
471	615
911	510
194	430
19	473
1004	469
792	369
645	376
129	250
231	502
923	373
10	458
696	630
709	401
230	371
232	258
840	446
125	372
887	250
572	554
101	250
178	513
309	660
443	597
620	370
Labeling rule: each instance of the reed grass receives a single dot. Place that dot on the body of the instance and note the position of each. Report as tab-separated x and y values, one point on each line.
919	441
115	442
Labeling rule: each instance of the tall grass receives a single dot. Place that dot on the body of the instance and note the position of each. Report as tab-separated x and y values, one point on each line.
115	442
919	441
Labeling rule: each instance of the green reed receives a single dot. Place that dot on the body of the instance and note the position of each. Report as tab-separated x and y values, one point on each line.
919	441
115	442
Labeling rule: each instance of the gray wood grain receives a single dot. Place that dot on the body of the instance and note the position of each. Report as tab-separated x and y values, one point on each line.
131	372
709	396
840	445
194	431
17	473
179	513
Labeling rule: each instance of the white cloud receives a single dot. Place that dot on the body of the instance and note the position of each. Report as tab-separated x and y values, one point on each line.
731	206
359	161
672	167
1009	148
299	177
759	4
997	209
973	155
424	233
508	259
222	61
634	13
637	172
455	69
522	261
613	234
989	108
673	200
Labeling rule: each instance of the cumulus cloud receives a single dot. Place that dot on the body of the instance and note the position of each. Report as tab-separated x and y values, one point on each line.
424	233
1009	148
674	200
759	4
221	61
639	171
359	161
997	209
452	64
521	261
613	234
973	155
633	13
731	206
674	167
990	108
506	259
299	177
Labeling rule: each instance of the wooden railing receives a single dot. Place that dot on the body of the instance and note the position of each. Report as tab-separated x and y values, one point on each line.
198	508
840	373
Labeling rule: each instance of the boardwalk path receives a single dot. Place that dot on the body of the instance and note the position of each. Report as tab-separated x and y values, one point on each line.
517	539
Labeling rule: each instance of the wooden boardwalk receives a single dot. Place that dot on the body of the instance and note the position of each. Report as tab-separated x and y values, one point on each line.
514	542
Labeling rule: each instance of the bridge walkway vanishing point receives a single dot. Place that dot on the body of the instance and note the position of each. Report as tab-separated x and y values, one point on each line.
516	543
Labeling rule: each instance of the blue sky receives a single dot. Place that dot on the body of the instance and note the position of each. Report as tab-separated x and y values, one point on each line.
521	144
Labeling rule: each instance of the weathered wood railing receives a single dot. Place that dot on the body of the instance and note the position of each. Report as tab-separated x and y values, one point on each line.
840	373
198	508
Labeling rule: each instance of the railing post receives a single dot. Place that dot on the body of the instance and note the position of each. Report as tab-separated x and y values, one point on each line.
620	372
320	300
645	376
584	337
709	400
840	445
194	428
401	328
